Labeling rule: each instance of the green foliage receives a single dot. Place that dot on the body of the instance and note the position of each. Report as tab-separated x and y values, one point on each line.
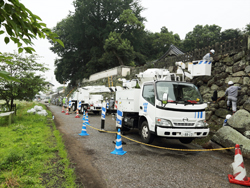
102	34
23	69
162	41
247	29
21	26
117	46
32	153
120	48
230	34
6	75
201	36
84	34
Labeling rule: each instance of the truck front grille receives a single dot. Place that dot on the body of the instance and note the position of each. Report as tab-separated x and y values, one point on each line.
184	124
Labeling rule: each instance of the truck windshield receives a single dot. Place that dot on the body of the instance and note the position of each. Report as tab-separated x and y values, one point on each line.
184	93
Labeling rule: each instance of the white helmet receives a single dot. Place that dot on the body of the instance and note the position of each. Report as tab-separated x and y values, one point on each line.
230	83
228	116
212	51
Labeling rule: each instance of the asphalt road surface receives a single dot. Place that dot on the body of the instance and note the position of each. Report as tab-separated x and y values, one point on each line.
141	166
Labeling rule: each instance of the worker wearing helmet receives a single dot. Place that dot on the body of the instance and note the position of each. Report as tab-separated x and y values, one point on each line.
227	118
207	57
232	93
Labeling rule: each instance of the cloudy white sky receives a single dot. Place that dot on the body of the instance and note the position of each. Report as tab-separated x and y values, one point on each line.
179	16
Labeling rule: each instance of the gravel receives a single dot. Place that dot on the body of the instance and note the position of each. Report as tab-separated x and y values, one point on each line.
144	166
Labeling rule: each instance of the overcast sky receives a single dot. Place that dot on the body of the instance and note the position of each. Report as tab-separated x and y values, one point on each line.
179	16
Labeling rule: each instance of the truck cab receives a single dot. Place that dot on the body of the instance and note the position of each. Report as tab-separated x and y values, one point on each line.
89	98
163	106
181	114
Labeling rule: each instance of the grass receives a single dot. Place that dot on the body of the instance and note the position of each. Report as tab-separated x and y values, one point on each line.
32	153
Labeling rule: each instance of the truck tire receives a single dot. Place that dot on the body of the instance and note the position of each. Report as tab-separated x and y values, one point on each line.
74	107
82	110
186	140
146	135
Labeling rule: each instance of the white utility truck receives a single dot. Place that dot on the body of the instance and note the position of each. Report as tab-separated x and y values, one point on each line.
88	98
163	105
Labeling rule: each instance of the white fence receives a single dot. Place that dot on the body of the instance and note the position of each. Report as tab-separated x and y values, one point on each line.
121	71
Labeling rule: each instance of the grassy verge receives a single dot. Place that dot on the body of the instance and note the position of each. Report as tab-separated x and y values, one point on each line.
32	153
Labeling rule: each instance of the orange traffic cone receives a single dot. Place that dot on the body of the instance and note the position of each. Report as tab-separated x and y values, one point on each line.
77	114
67	112
63	109
239	171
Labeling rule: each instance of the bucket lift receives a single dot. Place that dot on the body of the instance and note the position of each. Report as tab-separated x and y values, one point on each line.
195	68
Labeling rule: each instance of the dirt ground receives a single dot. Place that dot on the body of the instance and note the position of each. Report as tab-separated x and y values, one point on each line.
96	167
86	175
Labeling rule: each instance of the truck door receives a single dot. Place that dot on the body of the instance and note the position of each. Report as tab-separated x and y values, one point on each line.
147	105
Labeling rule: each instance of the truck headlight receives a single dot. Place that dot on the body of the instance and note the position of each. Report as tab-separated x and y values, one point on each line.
163	122
201	123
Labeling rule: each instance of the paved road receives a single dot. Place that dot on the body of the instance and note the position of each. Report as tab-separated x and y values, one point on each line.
141	166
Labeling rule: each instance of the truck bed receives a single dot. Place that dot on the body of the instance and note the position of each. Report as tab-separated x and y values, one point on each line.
128	100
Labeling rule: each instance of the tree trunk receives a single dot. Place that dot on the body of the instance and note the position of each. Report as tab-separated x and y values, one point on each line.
119	59
11	104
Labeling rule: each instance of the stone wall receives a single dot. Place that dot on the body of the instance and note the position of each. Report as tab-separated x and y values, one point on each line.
231	66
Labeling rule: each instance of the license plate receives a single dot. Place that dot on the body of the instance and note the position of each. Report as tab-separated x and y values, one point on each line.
187	134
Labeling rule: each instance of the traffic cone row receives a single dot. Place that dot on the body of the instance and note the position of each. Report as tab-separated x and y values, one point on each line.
77	114
63	109
118	148
67	111
239	171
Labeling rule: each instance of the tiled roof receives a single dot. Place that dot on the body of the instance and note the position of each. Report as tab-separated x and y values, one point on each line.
173	50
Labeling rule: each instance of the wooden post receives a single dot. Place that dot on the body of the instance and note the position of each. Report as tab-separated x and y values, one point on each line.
10	119
248	42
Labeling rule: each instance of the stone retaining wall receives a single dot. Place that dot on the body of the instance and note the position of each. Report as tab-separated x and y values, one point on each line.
234	67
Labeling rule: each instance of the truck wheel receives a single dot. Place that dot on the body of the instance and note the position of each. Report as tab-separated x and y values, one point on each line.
73	107
81	110
186	140
146	136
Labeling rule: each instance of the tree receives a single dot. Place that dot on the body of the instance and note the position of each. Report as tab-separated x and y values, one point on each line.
230	34
23	69
163	40
119	47
84	33
247	29
21	26
201	37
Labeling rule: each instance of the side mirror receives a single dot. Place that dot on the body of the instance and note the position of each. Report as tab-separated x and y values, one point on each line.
165	98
